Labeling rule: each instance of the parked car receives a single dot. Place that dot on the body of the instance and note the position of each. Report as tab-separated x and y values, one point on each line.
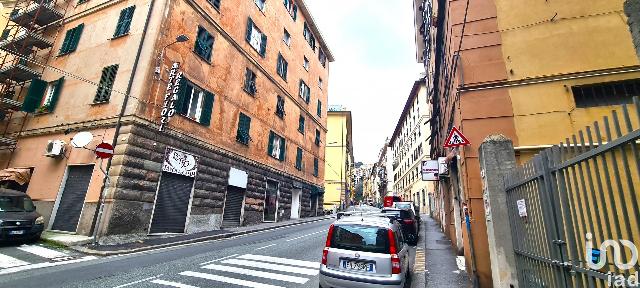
389	200
18	217
408	221
364	251
408	206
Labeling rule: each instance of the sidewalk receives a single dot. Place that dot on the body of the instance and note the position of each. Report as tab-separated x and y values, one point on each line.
441	269
155	242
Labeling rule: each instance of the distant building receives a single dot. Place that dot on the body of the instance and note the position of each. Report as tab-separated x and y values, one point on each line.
338	180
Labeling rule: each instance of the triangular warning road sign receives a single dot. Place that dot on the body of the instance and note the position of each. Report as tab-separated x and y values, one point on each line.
455	139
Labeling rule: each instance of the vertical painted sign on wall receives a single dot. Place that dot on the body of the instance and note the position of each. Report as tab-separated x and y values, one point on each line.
170	95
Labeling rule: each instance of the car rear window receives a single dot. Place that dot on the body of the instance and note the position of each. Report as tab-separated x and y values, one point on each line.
360	238
404	214
405	206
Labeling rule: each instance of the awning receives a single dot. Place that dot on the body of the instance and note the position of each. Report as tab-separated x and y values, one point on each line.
19	175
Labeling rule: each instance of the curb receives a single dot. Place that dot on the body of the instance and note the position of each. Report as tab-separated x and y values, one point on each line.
189	241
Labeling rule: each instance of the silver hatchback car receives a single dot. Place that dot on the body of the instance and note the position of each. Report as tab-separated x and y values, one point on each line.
364	251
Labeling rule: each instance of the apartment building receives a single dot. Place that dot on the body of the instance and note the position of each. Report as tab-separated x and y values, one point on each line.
216	110
339	165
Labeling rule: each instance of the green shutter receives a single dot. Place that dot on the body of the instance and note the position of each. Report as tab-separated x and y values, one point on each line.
299	159
207	109
249	29
182	97
270	144
56	93
73	43
263	45
295	12
283	147
34	95
65	43
124	21
319	110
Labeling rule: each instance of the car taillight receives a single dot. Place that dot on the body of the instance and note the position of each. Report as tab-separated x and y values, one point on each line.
327	245
408	221
393	250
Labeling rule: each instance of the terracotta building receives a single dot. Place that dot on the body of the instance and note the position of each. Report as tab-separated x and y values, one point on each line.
240	88
536	75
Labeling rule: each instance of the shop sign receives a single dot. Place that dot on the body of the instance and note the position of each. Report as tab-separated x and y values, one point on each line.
170	95
180	162
430	170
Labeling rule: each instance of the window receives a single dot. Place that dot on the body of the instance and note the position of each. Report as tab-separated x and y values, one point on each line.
51	96
299	159
606	94
204	44
244	125
194	102
322	57
250	82
276	147
106	83
361	238
282	67
71	39
305	91
292	8
320	83
301	124
124	22
317	141
280	107
315	167
305	64
215	4
287	38
260	4
306	32
319	110
39	89
256	38
82	1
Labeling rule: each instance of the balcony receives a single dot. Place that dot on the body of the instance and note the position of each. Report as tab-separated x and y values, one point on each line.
10	104
7	143
24	43
41	14
18	73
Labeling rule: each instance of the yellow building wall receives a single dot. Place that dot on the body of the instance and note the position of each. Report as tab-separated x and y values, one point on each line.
335	156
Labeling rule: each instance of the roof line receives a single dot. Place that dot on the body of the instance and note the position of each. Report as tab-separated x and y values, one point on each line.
412	94
314	29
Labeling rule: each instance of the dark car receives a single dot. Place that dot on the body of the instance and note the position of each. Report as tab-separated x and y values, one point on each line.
18	217
408	221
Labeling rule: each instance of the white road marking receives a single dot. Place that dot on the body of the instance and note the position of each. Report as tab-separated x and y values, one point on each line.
42	252
305	235
255	273
270	266
8	261
172	284
263	247
46	264
136	282
228	280
308	264
219	259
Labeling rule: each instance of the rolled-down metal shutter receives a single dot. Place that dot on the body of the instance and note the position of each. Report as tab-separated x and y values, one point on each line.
232	207
172	204
72	198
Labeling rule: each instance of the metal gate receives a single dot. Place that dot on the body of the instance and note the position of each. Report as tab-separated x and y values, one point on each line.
233	207
172	204
573	208
70	203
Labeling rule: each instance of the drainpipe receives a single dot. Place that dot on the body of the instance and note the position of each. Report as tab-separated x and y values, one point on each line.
98	217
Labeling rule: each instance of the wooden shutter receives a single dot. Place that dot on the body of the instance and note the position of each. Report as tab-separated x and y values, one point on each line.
207	109
216	4
270	144
263	45
249	29
65	43
34	95
315	166
319	109
184	93
295	12
244	126
317	137
106	83
299	159
73	43
56	93
124	21
283	146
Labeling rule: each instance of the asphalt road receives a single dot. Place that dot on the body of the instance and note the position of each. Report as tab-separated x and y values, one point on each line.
223	263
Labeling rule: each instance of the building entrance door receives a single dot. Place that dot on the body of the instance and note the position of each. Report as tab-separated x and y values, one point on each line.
233	207
70	202
295	203
172	204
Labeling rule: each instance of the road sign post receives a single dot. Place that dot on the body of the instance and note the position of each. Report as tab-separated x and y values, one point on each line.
104	151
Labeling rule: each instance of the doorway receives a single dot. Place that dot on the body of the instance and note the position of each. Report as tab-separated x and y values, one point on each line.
68	206
233	203
271	202
295	203
314	205
172	204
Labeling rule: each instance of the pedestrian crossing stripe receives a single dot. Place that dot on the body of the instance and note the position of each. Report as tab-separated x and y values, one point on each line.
7	261
228	280
455	139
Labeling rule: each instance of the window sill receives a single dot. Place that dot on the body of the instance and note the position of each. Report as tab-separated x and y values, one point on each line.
64	54
190	119
244	144
99	103
250	94
279	116
39	113
201	58
119	36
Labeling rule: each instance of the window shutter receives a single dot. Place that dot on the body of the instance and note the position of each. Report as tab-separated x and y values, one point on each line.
270	144
56	93
65	43
124	21
299	159
249	29
295	12
207	109
319	110
263	45
106	83
283	146
34	95
73	43
285	67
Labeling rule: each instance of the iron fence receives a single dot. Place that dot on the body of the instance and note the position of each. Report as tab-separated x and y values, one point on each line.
573	208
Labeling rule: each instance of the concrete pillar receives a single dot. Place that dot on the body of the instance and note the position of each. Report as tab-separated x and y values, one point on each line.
497	158
632	9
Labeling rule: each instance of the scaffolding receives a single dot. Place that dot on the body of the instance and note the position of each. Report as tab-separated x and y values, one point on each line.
25	47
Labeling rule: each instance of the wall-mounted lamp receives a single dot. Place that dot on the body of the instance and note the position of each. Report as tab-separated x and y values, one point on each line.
181	38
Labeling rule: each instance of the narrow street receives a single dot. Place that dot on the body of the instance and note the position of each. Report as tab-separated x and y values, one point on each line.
287	257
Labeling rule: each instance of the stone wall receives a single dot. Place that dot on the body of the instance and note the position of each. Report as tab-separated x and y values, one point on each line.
137	170
632	9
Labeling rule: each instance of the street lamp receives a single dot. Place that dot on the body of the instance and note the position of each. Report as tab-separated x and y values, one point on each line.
181	38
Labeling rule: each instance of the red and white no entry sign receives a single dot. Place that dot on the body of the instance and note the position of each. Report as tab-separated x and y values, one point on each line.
104	150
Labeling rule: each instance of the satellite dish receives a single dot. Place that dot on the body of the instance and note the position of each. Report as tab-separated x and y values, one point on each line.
81	139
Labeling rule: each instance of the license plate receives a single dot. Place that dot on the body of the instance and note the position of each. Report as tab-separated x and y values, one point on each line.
16	232
358	266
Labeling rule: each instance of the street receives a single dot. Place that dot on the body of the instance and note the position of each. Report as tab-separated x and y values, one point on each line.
286	257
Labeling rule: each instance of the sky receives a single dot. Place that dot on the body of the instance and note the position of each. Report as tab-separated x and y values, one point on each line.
373	44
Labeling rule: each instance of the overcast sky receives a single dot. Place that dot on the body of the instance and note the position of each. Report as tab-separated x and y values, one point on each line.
375	67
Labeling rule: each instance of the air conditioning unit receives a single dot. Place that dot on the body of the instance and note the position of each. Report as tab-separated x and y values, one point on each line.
55	148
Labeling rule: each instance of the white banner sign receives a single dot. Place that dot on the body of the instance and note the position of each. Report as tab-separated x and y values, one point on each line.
170	95
522	208
430	170
180	162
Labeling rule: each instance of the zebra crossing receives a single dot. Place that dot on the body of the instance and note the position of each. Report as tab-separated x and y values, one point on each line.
248	270
26	257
